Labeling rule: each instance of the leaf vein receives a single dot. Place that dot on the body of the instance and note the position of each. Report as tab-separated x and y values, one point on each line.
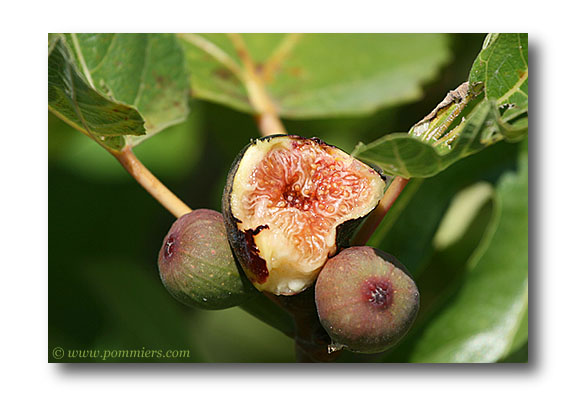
515	88
112	42
145	64
520	47
81	59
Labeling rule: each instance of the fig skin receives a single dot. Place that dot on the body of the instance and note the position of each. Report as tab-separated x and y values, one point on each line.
196	264
247	252
366	300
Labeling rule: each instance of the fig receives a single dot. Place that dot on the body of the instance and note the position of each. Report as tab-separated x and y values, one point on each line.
197	266
290	203
366	300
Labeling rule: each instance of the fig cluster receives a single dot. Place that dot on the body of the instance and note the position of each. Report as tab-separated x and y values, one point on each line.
289	209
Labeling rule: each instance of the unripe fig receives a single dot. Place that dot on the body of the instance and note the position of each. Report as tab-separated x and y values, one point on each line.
366	300
290	203
197	266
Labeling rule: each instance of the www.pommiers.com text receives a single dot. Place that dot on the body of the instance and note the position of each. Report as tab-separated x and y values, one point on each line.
59	353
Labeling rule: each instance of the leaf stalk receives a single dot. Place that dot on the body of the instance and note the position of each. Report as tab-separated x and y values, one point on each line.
267	115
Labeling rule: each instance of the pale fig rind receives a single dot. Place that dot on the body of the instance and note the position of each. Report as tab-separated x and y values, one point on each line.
197	266
366	300
267	251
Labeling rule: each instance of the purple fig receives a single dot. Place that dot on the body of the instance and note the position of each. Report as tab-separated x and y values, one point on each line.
197	266
366	300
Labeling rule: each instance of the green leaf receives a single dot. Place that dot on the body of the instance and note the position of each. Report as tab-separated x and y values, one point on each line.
518	356
414	230
521	337
81	156
72	99
142	77
486	318
502	66
318	75
409	229
405	155
501	69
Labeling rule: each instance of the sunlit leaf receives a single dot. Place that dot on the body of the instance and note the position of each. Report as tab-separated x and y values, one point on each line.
318	75
502	66
486	317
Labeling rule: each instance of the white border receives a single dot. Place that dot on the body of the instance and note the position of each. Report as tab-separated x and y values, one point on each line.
24	192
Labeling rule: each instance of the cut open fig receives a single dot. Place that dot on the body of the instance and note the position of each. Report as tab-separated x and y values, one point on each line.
290	203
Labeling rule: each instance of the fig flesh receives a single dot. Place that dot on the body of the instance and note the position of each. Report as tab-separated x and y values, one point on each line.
366	300
290	203
197	266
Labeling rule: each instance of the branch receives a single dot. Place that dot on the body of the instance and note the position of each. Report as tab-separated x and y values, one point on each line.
150	183
137	170
267	115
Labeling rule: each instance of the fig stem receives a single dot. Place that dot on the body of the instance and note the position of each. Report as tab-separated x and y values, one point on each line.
150	183
376	217
267	115
312	342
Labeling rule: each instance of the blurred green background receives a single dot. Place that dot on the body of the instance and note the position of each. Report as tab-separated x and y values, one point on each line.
105	231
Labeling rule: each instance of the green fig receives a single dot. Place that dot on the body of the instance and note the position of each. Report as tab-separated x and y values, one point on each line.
366	300
197	266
